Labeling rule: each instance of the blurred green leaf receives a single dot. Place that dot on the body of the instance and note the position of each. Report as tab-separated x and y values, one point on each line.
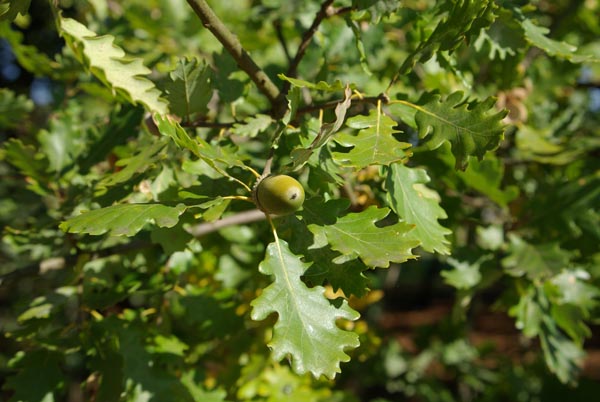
534	261
464	275
10	8
39	377
13	109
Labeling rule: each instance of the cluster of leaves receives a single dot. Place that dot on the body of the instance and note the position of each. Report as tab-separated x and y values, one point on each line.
459	134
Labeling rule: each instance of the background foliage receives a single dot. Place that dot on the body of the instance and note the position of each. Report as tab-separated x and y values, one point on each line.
447	249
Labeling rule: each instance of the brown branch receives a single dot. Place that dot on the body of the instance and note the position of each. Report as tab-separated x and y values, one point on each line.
234	47
281	38
332	104
209	124
253	215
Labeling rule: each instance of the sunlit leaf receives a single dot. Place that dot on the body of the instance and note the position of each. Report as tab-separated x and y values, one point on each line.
123	219
356	235
111	65
418	205
374	144
306	327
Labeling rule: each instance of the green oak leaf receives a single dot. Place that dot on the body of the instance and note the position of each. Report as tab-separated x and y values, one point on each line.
416	204
252	126
538	37
123	219
301	155
10	8
319	86
131	166
189	89
356	235
374	144
217	157
306	326
40	367
347	276
535	261
13	109
111	65
472	128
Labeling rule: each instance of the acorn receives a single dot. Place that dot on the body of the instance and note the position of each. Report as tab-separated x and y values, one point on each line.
278	195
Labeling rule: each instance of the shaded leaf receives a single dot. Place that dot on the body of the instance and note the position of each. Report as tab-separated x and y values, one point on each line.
356	235
538	37
306	326
13	109
301	155
10	8
40	368
189	89
110	64
123	219
132	166
472	128
374	144
418	205
347	276
534	261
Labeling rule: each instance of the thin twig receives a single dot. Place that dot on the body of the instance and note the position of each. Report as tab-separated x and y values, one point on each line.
253	215
332	104
234	47
208	124
324	12
282	41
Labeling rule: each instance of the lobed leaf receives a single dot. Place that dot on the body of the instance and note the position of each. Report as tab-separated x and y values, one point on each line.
374	144
110	64
534	261
301	155
537	36
131	166
10	8
189	88
123	219
356	235
13	109
418	205
472	128
306	326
